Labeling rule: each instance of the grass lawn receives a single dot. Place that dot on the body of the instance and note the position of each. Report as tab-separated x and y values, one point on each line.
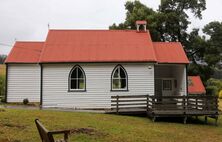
17	125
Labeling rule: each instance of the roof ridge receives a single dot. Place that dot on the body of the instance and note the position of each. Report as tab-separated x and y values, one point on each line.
125	30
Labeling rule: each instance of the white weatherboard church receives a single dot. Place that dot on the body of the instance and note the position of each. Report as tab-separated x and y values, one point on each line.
84	68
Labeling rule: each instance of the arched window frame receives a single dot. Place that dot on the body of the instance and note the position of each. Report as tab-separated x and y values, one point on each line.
69	80
113	72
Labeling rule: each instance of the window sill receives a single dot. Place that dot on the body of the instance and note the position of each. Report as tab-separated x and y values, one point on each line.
119	90
76	90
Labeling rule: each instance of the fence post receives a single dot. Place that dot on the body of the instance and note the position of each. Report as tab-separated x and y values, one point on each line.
196	104
205	103
153	103
117	104
216	103
184	105
147	104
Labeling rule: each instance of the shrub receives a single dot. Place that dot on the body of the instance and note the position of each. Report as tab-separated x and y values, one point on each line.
25	101
214	86
220	94
3	100
212	90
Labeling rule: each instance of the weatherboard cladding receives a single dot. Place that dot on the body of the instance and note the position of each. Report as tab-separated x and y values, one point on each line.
23	82
97	46
98	84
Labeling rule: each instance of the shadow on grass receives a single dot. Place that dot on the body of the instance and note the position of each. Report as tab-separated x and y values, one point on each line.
190	120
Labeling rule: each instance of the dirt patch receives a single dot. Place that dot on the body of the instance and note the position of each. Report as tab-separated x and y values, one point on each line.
2	110
30	104
9	140
4	140
87	131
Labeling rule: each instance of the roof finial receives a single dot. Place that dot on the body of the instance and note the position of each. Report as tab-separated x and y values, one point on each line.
48	26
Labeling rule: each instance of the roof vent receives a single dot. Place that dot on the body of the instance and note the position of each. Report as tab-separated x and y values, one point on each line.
141	26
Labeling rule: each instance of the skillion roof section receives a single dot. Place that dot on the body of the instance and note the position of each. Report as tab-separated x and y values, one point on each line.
25	52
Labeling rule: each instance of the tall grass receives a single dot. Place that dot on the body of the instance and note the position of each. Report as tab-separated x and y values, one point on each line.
2	80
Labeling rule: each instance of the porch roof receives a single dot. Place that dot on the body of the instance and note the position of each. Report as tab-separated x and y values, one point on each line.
170	52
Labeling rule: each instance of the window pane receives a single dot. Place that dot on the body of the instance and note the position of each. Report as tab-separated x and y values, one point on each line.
122	73
81	84
116	73
74	73
80	73
73	84
167	85
116	84
123	83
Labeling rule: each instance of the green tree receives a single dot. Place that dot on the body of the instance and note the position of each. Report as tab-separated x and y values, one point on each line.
206	50
214	86
195	46
169	23
177	19
213	52
203	71
138	11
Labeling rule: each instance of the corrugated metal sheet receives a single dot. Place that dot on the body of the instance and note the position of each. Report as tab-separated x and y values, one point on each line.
170	52
98	46
195	85
25	52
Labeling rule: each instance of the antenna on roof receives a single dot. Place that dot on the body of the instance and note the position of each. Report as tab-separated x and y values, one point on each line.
48	26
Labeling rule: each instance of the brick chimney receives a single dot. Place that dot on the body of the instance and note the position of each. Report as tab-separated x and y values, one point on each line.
141	26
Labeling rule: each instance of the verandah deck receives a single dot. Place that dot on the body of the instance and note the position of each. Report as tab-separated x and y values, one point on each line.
167	106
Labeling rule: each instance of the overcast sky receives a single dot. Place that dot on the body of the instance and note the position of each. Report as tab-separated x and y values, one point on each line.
27	20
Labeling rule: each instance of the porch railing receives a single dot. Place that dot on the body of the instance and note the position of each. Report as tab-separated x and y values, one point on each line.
166	105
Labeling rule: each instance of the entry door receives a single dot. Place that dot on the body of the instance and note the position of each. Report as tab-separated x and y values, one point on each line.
167	87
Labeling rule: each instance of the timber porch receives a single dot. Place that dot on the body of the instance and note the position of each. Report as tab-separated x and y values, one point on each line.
167	106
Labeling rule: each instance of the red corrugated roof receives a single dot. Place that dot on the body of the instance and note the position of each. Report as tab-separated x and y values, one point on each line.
25	52
170	52
195	85
98	46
